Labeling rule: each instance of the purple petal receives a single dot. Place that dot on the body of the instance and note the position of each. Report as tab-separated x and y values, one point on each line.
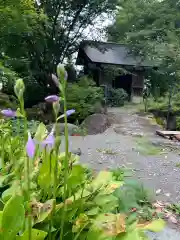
55	80
8	113
69	112
52	98
30	147
49	141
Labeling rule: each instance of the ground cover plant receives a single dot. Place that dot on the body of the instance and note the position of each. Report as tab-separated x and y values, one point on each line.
48	194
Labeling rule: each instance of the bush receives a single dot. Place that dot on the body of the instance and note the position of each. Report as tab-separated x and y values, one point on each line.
118	96
82	96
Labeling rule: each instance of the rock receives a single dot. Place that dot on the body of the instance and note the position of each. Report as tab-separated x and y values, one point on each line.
61	126
158	191
99	108
177	137
77	152
96	123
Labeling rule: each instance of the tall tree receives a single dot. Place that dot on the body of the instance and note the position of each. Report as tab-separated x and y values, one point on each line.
35	37
151	27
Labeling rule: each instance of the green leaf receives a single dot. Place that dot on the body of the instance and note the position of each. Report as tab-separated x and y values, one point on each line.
45	211
41	132
76	177
13	217
155	226
36	235
2	178
93	211
134	235
103	178
7	194
1	213
45	176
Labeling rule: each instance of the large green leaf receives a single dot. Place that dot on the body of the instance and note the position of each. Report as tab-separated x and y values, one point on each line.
76	177
8	193
134	235
155	226
103	178
45	176
106	202
2	178
36	235
1	213
13	217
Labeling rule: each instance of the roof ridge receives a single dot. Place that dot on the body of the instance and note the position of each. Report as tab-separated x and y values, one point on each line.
101	42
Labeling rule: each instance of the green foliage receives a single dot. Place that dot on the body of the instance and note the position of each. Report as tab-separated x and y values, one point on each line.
151	28
82	96
175	208
118	97
13	217
133	197
35	38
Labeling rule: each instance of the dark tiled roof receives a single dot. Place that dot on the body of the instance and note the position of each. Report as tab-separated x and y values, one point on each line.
111	53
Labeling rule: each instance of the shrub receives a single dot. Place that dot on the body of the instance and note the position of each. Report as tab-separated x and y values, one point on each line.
118	96
82	96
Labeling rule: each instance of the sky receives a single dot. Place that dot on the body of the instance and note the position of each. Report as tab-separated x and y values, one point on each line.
96	32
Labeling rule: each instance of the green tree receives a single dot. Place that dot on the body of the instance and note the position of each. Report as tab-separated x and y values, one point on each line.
151	27
34	38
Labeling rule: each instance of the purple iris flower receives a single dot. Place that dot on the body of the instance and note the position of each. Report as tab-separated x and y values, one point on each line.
49	141
8	113
30	146
52	98
68	113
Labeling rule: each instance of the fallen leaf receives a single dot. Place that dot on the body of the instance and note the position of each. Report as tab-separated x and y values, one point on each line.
159	204
173	219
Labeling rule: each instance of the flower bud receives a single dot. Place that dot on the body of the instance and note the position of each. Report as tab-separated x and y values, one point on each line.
61	72
19	88
56	107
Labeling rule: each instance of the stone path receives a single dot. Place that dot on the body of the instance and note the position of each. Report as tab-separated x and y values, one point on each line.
157	171
120	145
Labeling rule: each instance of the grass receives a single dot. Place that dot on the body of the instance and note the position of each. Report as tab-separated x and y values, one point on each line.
178	165
107	151
175	208
145	147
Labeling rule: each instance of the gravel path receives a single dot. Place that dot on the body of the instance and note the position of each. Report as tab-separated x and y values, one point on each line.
158	172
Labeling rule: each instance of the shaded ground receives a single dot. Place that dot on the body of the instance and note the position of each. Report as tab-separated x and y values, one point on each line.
131	142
